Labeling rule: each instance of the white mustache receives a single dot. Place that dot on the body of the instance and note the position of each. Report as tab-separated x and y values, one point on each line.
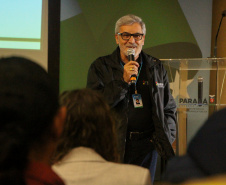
131	45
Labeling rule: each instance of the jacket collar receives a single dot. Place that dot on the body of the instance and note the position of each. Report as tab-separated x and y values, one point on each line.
79	154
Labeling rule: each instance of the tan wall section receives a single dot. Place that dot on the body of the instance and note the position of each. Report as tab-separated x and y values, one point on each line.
218	7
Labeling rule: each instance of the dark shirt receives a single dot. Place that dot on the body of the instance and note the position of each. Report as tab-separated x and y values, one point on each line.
140	119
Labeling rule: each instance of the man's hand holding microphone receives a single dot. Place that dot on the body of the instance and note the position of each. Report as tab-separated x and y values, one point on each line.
131	67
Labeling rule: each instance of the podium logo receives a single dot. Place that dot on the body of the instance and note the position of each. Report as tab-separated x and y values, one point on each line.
192	101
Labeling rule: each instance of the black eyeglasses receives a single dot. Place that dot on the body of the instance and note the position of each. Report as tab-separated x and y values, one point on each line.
127	36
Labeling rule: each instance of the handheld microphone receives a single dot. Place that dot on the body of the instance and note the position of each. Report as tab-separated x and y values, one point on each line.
200	90
130	55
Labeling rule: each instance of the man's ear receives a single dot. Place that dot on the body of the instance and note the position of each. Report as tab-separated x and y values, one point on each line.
58	121
116	38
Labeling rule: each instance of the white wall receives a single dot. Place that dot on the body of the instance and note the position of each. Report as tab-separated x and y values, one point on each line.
199	16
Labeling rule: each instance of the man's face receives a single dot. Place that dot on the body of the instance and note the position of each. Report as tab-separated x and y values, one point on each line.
124	45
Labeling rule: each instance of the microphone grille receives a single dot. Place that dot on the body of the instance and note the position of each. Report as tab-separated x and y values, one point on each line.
130	51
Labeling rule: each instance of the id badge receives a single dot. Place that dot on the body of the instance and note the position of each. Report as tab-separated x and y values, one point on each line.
137	101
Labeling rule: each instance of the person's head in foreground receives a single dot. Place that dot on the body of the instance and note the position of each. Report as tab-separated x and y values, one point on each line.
205	154
88	124
30	119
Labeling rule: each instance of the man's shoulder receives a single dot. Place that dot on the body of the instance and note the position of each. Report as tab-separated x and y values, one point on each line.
103	58
110	59
102	61
151	60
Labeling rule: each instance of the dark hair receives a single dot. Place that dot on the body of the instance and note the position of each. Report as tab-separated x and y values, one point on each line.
88	123
28	103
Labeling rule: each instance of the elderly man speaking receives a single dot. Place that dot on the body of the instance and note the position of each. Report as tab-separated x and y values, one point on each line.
128	74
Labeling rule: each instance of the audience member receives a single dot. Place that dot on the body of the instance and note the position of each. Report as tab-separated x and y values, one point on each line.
87	153
30	123
205	154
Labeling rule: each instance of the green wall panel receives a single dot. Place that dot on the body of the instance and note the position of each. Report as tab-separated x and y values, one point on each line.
90	34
